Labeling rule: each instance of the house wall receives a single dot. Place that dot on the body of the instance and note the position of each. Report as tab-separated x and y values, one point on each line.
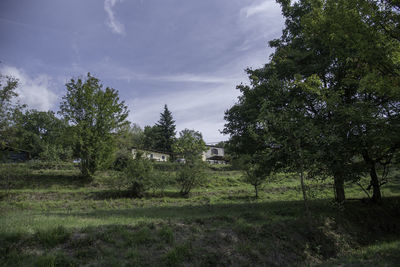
157	156
213	151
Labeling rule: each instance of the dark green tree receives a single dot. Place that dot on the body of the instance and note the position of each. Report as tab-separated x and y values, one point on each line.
166	128
40	131
151	137
95	114
328	96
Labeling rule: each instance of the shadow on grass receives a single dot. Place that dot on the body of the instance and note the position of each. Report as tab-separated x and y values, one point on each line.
268	233
385	216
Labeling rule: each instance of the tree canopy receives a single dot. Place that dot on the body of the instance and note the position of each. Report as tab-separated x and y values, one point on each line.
94	114
329	95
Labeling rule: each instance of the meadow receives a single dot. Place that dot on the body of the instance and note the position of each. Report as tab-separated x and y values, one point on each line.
56	218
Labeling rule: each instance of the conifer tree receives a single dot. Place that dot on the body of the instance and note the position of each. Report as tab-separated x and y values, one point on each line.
166	128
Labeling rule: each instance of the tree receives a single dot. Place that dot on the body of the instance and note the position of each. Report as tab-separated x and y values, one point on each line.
139	175
255	176
127	137
190	175
41	132
166	131
94	114
151	136
9	110
189	145
329	94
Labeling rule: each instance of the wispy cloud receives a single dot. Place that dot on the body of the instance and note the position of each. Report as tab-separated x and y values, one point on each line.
264	7
35	92
116	26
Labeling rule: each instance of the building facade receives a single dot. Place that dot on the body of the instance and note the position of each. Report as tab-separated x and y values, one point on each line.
214	155
152	155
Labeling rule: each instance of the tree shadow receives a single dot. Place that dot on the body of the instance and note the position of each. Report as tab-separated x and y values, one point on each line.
264	233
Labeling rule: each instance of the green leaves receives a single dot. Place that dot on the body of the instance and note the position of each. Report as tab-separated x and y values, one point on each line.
189	145
94	114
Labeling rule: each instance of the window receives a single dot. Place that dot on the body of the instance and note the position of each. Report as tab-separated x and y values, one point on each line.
163	157
214	151
151	156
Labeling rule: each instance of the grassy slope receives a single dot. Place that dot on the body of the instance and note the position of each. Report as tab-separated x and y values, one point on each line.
54	218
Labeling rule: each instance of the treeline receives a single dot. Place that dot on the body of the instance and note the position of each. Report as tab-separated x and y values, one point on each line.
328	102
91	127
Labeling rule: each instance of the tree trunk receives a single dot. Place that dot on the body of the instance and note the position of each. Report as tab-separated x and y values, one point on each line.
303	190
339	188
256	188
376	196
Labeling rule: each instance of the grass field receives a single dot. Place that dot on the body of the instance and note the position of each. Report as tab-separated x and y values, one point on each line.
54	218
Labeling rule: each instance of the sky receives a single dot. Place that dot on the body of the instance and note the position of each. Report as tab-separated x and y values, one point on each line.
187	54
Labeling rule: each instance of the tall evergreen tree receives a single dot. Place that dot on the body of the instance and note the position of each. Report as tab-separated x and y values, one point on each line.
166	128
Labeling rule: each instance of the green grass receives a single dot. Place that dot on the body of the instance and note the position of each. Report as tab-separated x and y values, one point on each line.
54	218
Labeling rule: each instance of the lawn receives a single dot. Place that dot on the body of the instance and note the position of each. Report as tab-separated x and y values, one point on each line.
55	218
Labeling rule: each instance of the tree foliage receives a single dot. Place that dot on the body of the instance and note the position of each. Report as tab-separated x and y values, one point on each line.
166	131
329	96
94	115
10	108
190	145
139	175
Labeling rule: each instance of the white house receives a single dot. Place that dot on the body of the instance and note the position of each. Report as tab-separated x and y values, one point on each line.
153	155
215	155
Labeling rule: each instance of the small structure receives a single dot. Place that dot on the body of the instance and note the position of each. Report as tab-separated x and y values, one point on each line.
152	155
11	154
214	155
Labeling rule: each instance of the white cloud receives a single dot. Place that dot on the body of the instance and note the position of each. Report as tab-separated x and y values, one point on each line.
261	8
35	92
116	26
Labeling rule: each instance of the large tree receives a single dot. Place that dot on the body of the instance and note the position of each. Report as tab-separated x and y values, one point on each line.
95	115
166	131
329	95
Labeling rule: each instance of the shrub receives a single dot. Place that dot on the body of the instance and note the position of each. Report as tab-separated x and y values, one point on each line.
255	176
190	175
122	158
139	175
161	180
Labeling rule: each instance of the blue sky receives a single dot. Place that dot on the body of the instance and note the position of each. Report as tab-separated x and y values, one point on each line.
188	54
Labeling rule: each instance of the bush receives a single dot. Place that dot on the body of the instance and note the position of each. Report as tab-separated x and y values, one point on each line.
161	180
190	175
139	175
255	176
122	157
